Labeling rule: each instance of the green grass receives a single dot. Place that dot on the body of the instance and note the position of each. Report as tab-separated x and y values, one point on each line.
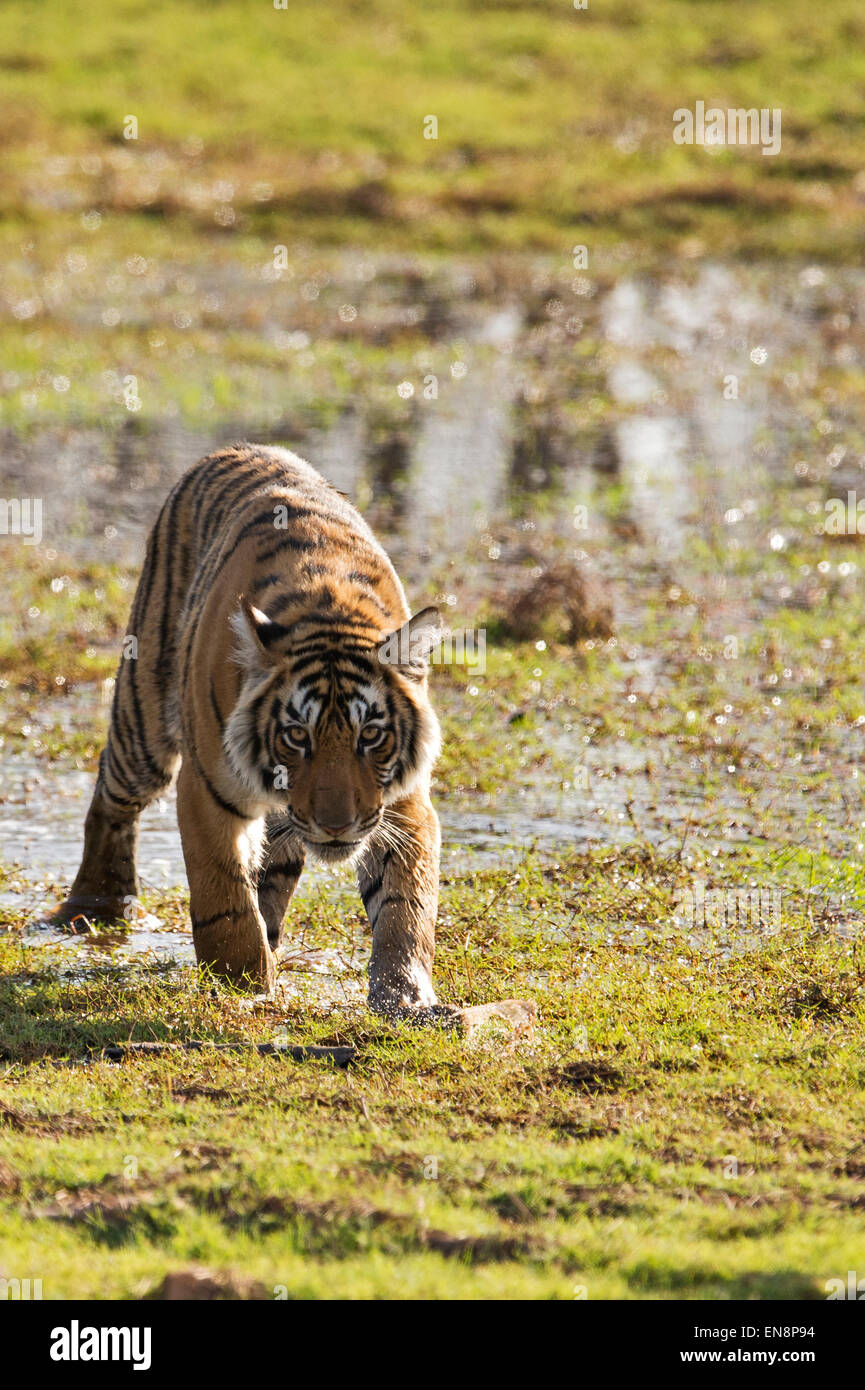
554	125
685	1123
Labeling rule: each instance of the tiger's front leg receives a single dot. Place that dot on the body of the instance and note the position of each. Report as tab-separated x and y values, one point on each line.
219	850
399	884
399	887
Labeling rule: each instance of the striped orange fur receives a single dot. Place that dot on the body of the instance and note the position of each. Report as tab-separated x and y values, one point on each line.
277	667
261	618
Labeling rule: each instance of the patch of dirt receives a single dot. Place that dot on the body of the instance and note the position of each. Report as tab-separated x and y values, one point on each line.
671	1154
738	1106
675	1064
482	1249
115	1219
205	1158
9	1179
846	1201
713	1196
617	1200
408	1167
198	1285
851	1168
49	1126
99	1203
811	997
194	1092
572	1129
325	1215
511	1207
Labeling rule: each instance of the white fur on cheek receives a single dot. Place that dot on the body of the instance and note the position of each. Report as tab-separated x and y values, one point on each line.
238	740
429	747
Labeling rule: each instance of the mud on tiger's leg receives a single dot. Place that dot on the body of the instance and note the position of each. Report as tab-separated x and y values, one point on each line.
228	929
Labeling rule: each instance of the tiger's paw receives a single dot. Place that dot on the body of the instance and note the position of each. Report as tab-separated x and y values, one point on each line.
252	977
232	946
81	912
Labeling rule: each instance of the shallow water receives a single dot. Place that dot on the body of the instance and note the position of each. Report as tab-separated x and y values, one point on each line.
509	438
666	350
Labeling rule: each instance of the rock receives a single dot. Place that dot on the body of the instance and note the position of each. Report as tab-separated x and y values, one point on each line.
206	1285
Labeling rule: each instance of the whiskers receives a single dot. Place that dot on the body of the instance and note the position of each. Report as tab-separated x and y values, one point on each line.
279	836
391	834
390	831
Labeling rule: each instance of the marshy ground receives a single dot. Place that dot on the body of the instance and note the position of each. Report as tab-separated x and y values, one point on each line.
687	1120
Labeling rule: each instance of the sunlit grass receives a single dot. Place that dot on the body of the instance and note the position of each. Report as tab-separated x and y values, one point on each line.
554	124
668	1132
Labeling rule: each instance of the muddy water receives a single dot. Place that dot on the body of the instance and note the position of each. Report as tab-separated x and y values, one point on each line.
708	376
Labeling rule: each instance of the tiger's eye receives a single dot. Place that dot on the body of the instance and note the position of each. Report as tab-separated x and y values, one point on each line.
370	736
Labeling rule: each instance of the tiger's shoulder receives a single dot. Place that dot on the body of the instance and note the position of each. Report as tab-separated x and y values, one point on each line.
271	529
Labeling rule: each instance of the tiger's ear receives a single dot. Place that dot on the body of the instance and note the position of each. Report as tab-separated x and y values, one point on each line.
407	649
256	633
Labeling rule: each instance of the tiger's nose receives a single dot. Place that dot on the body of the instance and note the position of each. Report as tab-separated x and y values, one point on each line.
335	830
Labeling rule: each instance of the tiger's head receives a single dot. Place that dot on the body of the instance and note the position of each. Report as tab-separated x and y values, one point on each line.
330	728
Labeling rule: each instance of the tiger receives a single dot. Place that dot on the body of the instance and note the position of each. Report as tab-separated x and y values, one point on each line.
273	668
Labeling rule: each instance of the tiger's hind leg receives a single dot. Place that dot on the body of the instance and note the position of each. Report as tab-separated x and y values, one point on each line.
281	867
142	750
128	780
137	764
108	877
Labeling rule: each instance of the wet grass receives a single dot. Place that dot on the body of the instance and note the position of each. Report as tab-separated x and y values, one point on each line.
117	330
686	1122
